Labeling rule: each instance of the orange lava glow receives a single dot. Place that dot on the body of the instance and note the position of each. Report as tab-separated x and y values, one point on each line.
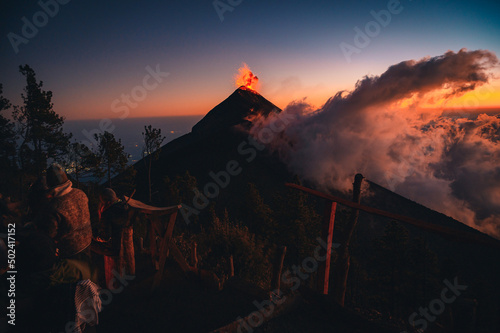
246	78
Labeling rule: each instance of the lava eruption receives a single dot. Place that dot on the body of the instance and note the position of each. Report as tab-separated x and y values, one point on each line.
245	78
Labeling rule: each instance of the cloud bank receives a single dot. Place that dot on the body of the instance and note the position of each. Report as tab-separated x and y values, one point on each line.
450	164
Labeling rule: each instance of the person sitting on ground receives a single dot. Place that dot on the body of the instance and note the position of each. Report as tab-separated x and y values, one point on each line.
115	239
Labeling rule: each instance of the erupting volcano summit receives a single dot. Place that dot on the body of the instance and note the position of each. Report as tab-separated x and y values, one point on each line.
246	79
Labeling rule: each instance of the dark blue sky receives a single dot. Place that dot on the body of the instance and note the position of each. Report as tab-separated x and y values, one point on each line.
90	52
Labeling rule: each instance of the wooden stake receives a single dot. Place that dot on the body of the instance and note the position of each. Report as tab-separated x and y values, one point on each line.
278	268
165	246
327	236
231	266
344	258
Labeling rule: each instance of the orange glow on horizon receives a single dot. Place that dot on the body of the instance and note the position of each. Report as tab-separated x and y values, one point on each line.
179	102
482	98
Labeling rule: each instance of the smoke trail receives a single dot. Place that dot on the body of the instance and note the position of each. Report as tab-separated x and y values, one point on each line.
448	164
246	78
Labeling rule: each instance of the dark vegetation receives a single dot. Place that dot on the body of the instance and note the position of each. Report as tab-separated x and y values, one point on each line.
395	269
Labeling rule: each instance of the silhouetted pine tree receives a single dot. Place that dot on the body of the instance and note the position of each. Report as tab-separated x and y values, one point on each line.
41	128
151	151
79	161
7	144
111	156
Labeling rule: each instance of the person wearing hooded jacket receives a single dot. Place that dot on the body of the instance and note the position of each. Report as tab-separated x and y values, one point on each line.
68	217
66	220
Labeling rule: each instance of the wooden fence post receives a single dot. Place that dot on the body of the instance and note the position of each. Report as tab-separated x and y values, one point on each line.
231	266
278	268
343	259
327	237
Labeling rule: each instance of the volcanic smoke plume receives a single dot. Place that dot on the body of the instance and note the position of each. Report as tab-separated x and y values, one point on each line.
450	164
246	78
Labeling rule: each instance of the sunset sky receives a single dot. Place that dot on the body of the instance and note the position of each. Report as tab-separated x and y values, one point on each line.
90	53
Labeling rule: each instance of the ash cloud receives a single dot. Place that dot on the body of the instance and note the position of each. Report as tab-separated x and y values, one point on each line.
450	164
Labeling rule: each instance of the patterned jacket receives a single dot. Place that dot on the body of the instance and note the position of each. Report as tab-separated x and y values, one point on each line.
68	223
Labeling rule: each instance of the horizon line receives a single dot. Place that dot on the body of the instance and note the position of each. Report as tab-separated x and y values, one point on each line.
152	117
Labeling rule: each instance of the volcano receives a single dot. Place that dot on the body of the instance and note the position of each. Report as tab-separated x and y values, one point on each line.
243	104
215	141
